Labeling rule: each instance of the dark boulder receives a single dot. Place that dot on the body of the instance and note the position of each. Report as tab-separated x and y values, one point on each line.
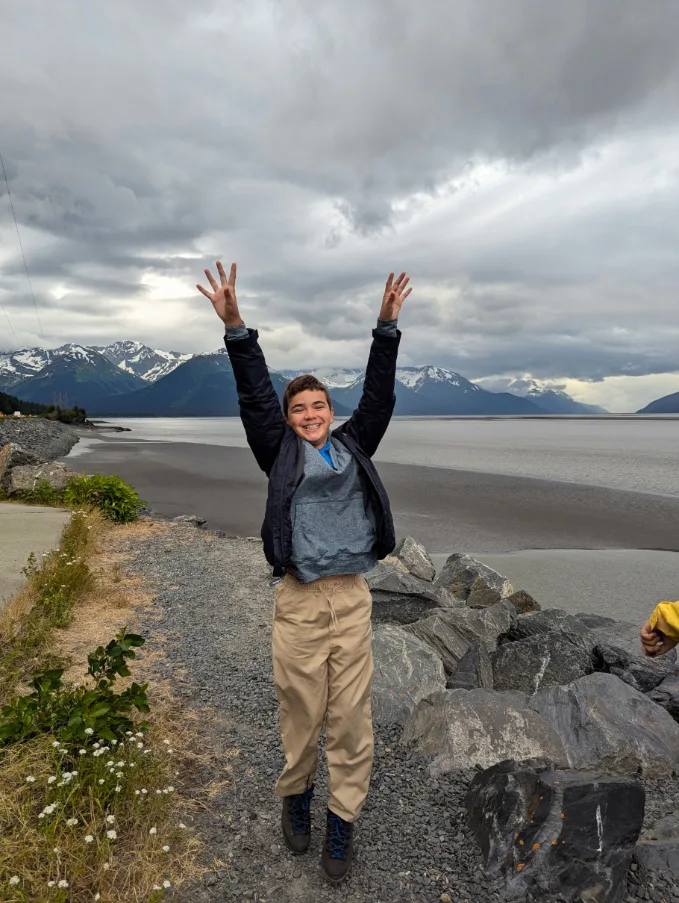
400	598
471	580
556	833
666	694
644	673
541	622
542	660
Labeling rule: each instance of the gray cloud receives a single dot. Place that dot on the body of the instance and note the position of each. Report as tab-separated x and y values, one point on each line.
519	158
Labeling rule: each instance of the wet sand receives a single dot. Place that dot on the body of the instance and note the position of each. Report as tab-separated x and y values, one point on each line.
515	523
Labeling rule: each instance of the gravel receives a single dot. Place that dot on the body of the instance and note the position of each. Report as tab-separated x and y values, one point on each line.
46	439
212	619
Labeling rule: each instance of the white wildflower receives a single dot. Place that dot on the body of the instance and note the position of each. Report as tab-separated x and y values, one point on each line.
51	883
30	779
63	883
166	742
170	789
100	781
146	752
42	815
111	835
110	819
166	884
166	849
144	791
128	733
72	822
89	731
14	880
56	850
110	763
139	734
51	779
56	744
158	792
106	866
82	752
157	887
97	896
120	764
137	792
117	789
119	774
114	742
153	831
181	824
89	838
140	745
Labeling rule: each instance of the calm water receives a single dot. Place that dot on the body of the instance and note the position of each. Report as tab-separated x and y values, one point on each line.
641	455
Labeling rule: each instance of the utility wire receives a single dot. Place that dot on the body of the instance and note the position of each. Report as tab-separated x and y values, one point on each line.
28	276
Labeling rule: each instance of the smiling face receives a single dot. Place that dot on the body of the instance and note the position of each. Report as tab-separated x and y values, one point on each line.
310	416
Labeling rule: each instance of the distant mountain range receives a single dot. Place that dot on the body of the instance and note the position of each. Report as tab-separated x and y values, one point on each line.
668	404
131	379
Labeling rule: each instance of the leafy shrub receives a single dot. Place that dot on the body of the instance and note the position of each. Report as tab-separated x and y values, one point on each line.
43	493
68	712
112	496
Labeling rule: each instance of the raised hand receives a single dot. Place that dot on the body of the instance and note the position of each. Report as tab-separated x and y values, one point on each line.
223	296
394	296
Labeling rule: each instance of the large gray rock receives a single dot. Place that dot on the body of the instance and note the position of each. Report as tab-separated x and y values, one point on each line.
596	722
642	672
400	598
666	694
25	479
456	646
463	729
406	670
13	455
658	849
544	660
604	722
559	834
413	556
471	580
536	623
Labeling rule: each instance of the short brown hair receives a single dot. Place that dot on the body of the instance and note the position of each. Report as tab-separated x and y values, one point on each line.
304	383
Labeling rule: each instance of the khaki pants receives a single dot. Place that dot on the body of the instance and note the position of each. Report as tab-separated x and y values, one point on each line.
323	667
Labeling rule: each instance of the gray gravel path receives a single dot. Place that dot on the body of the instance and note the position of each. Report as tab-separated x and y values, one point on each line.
213	610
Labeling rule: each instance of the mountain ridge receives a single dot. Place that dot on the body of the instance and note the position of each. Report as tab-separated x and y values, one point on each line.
119	378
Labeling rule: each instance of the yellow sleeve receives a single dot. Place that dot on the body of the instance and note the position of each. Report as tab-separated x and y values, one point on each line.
667	613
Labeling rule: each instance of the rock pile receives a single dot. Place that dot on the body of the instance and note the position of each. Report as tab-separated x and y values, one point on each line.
479	676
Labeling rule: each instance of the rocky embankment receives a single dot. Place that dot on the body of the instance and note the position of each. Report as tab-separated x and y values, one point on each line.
27	451
521	754
44	440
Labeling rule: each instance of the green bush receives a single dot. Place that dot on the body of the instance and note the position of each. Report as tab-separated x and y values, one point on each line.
112	496
71	713
43	493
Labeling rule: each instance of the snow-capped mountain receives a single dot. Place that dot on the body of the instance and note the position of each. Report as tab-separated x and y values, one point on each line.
16	366
548	396
148	363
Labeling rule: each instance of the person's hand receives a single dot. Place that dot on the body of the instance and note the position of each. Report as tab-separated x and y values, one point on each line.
223	296
655	642
394	296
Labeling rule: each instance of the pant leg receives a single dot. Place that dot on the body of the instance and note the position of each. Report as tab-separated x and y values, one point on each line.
300	665
349	734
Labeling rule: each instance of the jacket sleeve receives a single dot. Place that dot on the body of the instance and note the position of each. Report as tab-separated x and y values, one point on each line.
369	422
260	409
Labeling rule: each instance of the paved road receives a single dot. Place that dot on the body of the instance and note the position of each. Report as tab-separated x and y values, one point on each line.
25	529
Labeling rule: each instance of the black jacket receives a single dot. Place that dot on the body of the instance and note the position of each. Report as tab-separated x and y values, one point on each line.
278	449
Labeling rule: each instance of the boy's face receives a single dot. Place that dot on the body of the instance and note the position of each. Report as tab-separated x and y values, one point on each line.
310	416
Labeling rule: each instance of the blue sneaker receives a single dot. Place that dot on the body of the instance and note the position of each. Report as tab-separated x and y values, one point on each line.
296	821
338	852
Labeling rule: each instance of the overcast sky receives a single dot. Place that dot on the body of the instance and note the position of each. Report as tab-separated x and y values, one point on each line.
519	158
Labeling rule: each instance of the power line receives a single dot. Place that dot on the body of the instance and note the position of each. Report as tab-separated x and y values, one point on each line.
16	226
